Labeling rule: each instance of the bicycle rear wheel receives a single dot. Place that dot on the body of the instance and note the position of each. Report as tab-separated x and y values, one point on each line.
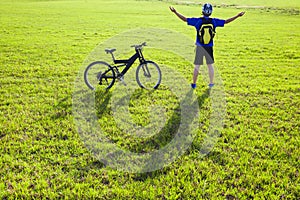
148	75
99	75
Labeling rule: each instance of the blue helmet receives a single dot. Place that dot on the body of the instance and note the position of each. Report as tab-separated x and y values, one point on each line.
207	9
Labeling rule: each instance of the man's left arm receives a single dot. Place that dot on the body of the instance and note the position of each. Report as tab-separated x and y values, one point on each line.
234	18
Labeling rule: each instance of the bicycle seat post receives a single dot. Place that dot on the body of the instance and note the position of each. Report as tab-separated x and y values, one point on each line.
111	52
113	57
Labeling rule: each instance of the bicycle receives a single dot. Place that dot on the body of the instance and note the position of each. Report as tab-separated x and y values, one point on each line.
101	74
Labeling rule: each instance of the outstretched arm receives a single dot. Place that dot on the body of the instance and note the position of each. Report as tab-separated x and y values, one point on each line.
180	16
234	18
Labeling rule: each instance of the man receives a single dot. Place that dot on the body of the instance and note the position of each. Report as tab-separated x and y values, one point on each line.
205	27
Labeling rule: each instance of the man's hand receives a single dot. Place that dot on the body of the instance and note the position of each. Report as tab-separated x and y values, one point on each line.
180	16
241	14
172	9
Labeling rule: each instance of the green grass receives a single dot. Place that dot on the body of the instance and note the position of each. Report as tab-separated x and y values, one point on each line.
245	3
43	45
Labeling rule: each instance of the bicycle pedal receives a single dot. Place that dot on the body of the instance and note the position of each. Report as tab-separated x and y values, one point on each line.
122	80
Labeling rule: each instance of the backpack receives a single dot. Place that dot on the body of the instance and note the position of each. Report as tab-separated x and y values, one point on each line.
206	32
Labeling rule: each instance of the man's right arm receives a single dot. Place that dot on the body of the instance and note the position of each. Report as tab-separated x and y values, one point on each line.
180	16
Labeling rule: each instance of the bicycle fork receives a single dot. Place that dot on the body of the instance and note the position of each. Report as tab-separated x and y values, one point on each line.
146	71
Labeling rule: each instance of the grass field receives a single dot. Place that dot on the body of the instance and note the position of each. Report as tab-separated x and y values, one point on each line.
43	45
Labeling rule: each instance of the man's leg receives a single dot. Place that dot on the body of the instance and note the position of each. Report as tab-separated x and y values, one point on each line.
211	73
197	62
196	72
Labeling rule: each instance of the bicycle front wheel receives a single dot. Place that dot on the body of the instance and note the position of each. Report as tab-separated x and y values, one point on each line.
148	75
99	75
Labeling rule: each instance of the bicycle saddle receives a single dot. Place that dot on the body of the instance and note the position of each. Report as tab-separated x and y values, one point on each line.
110	50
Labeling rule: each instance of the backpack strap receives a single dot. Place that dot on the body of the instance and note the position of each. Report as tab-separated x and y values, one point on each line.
200	20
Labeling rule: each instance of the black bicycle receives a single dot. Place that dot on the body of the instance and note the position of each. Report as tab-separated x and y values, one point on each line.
101	74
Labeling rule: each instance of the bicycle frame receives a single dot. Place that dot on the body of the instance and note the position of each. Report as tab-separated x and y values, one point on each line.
128	63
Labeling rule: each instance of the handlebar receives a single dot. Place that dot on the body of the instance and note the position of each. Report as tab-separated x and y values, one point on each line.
139	46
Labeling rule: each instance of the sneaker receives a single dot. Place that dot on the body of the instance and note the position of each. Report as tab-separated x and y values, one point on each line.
211	85
193	85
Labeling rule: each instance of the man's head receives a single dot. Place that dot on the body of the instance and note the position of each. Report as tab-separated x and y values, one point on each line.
207	9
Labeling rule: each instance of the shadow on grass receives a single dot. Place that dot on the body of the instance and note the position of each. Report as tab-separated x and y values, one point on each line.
166	134
102	98
63	108
169	132
157	141
171	128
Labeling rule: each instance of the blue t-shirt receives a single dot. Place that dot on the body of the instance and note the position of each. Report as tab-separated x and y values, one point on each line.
197	22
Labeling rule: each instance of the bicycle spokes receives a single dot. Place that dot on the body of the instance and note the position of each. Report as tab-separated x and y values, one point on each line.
148	75
99	74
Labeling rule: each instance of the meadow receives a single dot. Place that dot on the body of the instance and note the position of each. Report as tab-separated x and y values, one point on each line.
43	46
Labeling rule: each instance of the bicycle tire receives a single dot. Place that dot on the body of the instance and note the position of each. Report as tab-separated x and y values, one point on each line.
99	74
148	75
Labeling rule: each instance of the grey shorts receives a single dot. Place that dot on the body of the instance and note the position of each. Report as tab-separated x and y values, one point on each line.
206	52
